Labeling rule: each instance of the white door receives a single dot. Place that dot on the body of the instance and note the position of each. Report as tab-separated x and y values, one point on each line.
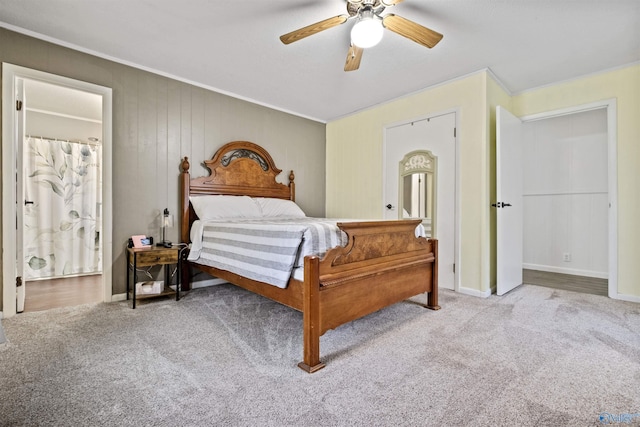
509	203
19	138
436	134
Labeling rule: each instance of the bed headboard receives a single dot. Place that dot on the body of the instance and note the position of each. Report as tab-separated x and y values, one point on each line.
238	168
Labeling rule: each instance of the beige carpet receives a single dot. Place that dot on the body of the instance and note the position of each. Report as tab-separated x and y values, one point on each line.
222	356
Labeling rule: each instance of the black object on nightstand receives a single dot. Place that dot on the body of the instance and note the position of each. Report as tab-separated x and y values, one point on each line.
148	257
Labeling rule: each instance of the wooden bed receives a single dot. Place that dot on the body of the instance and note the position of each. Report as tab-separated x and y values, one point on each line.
382	264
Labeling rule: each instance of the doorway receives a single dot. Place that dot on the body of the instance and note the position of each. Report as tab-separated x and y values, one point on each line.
437	135
57	140
62	187
566	201
568	197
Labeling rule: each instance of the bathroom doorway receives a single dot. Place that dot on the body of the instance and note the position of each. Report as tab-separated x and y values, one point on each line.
57	139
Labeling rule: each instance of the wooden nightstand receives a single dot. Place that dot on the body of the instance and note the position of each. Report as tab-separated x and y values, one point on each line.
148	257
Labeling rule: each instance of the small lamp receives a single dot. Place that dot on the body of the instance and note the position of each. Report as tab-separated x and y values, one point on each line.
167	221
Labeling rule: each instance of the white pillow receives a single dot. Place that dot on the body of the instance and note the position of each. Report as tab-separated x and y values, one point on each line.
271	208
220	207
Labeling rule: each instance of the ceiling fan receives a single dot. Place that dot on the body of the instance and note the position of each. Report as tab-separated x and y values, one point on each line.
368	29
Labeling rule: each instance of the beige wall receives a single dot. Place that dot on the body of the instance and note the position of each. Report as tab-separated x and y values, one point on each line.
156	121
624	86
354	165
354	145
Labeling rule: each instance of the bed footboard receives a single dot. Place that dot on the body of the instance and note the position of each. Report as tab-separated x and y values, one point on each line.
383	263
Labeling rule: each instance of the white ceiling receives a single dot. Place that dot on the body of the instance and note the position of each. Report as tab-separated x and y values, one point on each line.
232	46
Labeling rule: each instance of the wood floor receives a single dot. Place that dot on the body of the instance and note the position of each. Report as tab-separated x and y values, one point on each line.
46	294
586	285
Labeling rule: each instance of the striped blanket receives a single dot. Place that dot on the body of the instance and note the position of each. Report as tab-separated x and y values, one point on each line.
266	250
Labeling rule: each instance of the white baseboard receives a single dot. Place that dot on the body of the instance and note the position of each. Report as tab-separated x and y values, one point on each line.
194	285
563	270
208	282
119	297
475	292
462	290
623	297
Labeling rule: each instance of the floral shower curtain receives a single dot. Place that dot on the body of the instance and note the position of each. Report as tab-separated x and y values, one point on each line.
62	234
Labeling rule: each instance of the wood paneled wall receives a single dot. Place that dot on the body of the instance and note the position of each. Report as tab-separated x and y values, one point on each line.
157	121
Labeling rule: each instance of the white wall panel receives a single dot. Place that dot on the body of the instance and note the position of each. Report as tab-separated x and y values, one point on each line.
565	194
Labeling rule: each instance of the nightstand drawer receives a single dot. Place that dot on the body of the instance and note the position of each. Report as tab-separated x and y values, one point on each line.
145	259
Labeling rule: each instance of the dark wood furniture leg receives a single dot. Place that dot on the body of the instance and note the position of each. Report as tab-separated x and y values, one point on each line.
432	298
311	316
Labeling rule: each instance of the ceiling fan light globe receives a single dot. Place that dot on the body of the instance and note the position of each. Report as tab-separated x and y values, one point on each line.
367	32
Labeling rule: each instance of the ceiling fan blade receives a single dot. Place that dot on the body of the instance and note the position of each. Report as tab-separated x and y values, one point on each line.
312	29
353	58
411	30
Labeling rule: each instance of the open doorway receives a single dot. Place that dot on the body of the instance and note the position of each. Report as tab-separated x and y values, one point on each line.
57	209
566	201
566	168
62	187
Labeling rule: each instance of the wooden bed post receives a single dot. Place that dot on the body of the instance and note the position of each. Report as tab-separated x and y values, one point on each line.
432	299
292	187
184	194
185	272
311	316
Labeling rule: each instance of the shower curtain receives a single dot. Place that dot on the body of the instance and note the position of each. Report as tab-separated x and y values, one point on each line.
62	234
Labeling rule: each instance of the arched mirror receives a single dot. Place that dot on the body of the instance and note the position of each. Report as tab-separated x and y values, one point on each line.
417	191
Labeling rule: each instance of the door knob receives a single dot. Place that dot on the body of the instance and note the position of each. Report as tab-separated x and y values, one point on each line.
28	202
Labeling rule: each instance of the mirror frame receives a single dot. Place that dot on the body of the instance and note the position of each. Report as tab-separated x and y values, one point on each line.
419	161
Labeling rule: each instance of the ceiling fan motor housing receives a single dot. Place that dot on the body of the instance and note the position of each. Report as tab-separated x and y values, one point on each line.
356	6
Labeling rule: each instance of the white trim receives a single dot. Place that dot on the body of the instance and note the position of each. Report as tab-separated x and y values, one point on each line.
119	297
194	285
10	74
9	235
458	212
499	82
421	118
475	292
67	116
563	193
612	163
207	283
565	270
569	110
630	298
574	79
410	94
